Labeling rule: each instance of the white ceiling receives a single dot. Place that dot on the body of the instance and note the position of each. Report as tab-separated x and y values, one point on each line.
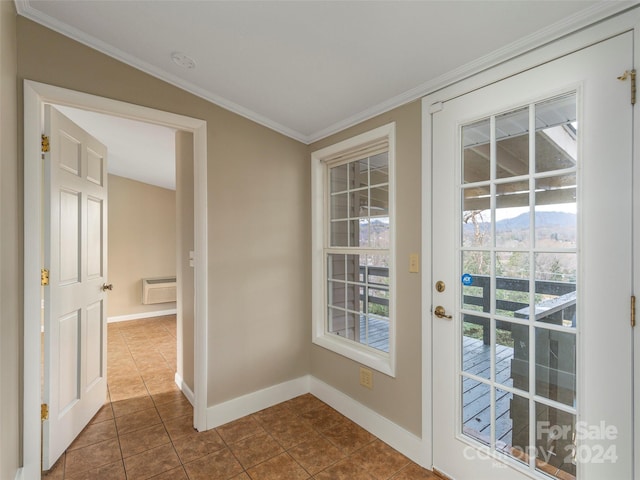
310	68
137	150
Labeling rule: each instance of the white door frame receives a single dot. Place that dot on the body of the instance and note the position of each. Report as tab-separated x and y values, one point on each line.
35	95
491	70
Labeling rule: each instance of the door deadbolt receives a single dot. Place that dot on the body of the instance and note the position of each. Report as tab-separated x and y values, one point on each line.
440	286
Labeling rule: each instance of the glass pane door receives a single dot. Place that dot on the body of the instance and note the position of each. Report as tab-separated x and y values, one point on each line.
519	273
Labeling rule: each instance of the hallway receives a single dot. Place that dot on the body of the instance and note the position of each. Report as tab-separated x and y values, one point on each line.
145	429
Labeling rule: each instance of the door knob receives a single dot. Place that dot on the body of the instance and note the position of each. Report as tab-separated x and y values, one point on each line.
440	312
106	287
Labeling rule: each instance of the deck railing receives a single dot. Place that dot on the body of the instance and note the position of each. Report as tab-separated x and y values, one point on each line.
565	307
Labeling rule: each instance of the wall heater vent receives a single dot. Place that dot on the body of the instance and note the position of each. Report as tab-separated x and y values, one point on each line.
158	290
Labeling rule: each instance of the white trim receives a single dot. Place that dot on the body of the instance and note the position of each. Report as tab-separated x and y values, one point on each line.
19	474
139	316
239	407
580	20
378	360
35	94
392	434
185	389
427	285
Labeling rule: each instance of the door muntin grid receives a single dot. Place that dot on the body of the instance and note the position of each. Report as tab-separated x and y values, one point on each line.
518	265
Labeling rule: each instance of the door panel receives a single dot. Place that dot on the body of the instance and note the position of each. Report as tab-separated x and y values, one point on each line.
74	245
532	197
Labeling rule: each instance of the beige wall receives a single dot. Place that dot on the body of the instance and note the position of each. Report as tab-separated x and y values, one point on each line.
142	242
11	277
185	244
398	398
258	216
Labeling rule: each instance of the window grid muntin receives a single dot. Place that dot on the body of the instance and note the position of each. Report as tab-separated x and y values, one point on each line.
366	251
532	250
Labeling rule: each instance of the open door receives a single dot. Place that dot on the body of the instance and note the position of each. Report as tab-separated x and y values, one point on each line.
75	253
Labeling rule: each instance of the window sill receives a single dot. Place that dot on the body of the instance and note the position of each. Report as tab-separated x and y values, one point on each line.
380	361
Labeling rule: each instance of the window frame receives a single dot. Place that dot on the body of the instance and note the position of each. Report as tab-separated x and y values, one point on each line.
321	160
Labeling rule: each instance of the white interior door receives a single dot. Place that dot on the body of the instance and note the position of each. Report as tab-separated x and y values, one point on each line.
532	197
75	192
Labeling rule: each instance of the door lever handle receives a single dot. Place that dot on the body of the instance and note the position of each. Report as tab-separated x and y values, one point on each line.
440	312
106	287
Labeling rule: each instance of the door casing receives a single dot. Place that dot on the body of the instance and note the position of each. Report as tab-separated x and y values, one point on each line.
35	95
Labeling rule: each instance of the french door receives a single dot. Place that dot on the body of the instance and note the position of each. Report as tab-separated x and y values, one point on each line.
532	273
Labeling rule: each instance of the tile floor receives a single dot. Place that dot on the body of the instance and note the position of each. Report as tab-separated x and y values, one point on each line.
145	429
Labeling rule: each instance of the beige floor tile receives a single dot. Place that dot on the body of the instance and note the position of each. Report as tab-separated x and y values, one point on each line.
255	449
347	469
324	417
415	472
296	439
93	456
131	405
137	420
304	403
292	432
240	429
380	459
113	471
282	467
220	465
316	455
167	397
105	413
152	462
197	445
177	408
348	437
143	440
94	433
180	426
174	474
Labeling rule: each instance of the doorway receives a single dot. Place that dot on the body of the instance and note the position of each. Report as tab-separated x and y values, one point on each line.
36	95
531	175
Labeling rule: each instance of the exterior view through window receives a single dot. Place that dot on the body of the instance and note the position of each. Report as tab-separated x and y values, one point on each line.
357	254
518	258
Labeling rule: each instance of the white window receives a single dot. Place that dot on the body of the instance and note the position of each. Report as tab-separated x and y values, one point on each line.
353	248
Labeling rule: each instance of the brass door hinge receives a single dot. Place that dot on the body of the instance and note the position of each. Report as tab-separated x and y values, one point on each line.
45	143
44	412
44	277
630	74
633	310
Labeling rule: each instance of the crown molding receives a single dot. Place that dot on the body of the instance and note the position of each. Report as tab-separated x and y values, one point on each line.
25	9
586	17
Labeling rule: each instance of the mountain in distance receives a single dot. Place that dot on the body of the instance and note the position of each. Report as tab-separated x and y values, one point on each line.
542	220
557	227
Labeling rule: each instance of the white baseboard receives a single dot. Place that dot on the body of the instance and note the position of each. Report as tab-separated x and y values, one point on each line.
19	474
410	445
138	316
185	389
390	433
253	402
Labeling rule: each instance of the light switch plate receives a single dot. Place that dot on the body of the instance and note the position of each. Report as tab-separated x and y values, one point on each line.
414	263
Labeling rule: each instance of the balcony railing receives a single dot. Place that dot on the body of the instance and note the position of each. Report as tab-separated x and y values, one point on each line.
557	304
